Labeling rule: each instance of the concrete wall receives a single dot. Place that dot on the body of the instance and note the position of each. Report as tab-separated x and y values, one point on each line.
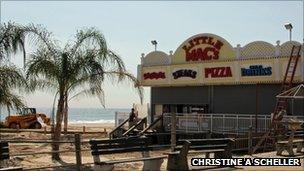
226	98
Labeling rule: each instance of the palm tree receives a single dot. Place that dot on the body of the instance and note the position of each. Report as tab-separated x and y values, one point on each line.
80	68
11	41
10	78
12	37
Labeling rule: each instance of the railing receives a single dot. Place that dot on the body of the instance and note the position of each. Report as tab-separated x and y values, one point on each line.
139	123
118	129
152	124
222	123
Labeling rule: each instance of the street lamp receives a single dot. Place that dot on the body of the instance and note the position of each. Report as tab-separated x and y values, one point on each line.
154	42
288	26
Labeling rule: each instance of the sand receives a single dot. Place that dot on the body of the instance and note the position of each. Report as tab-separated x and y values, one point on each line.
44	160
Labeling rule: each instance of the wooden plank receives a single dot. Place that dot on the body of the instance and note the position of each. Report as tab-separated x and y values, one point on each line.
201	147
11	169
286	142
4	156
54	167
202	143
123	141
117	145
148	147
208	147
4	150
116	140
197	152
211	139
206	151
158	147
119	150
3	144
43	152
132	141
38	141
131	160
114	143
208	141
7	130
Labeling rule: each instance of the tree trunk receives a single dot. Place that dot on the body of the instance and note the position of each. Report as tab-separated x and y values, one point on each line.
65	114
57	131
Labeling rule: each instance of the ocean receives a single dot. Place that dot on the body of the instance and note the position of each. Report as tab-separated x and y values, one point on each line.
82	115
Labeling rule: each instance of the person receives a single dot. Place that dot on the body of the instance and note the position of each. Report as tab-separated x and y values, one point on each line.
132	117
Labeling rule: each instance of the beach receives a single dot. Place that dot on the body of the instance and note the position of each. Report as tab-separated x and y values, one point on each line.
44	160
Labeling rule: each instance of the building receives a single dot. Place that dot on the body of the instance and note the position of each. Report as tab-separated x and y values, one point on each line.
206	74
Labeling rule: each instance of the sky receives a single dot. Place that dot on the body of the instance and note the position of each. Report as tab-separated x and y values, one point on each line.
129	27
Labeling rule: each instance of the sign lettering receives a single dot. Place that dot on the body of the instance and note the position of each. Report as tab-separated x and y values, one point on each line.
217	72
208	53
256	70
184	73
154	75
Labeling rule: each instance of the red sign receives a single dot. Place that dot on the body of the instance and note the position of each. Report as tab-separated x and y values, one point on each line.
218	72
208	53
154	75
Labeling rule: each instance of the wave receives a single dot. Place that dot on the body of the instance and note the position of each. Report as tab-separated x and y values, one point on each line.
88	122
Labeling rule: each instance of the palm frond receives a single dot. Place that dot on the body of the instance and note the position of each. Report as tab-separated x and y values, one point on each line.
126	76
11	76
86	70
41	64
41	84
40	37
10	100
95	90
117	62
11	39
92	38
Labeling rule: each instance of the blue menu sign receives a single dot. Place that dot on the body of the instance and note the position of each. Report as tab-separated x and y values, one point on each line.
256	70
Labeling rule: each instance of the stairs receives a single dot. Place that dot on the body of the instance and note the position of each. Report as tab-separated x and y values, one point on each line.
122	131
140	125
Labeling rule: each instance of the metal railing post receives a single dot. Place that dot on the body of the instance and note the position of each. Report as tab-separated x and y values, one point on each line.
199	123
265	128
251	120
237	124
250	140
211	122
223	123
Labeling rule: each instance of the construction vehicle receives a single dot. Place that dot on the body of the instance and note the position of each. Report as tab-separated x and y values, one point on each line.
27	118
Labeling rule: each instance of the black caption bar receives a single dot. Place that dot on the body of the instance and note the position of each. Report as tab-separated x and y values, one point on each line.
246	162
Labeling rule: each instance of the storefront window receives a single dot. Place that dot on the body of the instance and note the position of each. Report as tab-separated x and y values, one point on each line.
186	108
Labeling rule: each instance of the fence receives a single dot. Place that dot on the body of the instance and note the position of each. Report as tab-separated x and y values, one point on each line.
49	131
75	141
223	123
